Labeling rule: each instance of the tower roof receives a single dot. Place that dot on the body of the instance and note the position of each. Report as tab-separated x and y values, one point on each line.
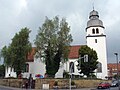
93	13
94	20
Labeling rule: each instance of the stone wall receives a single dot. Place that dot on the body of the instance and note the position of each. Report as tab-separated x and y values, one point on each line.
62	83
12	82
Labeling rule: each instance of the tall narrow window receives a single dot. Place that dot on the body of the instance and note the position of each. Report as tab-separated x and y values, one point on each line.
95	40
99	69
93	31
97	30
71	67
26	67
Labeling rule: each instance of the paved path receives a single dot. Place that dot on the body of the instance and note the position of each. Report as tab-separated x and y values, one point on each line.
12	88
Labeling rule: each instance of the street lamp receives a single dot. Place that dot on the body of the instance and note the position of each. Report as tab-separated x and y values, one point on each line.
72	65
85	57
116	54
0	54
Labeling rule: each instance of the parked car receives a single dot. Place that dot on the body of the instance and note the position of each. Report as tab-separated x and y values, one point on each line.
104	85
115	83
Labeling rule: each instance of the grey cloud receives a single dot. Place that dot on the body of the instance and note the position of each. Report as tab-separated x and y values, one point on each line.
13	17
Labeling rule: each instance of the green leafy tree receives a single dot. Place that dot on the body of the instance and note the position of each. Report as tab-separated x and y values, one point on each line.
52	43
87	67
2	71
6	53
15	55
20	47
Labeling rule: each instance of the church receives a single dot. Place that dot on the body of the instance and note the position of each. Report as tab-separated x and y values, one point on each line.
95	38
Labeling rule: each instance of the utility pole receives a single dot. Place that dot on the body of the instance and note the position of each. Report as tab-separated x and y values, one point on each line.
116	54
0	54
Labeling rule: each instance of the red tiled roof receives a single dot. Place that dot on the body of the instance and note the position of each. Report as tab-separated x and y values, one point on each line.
30	57
73	54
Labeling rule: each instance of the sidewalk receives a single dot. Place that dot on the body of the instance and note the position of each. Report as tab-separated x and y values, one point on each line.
13	88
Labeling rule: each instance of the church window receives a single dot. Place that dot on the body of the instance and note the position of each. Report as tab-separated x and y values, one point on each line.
97	30
99	69
95	40
11	69
26	67
7	69
93	31
71	67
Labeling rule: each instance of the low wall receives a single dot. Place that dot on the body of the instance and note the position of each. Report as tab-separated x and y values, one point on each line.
12	82
62	83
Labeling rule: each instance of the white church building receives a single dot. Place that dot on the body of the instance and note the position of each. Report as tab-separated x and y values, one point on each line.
96	39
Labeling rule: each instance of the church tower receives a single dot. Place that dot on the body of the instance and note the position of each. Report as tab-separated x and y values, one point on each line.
96	39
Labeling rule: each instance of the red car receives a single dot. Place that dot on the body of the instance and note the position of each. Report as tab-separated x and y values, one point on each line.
104	85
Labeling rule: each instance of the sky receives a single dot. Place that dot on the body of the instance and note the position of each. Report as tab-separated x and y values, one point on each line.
17	14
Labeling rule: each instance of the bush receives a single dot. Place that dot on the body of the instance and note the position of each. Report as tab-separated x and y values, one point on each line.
72	83
66	74
56	83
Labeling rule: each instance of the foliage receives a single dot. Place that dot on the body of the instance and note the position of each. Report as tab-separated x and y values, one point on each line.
2	70
72	83
66	74
15	55
6	53
56	83
116	76
52	43
87	68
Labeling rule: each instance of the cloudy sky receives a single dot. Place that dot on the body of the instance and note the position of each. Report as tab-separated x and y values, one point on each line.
16	14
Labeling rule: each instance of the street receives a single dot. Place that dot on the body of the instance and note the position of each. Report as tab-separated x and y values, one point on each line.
111	88
11	88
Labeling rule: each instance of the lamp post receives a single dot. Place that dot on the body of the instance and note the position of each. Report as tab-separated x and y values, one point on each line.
72	65
0	54
116	54
85	60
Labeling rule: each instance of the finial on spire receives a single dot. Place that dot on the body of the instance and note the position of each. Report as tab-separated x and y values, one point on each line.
93	5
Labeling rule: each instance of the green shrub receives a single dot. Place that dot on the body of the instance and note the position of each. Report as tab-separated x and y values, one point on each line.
72	83
56	83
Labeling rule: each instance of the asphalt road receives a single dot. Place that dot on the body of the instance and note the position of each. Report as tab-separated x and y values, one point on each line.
111	88
11	88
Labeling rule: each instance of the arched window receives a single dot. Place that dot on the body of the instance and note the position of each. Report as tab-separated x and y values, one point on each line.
93	31
99	69
26	67
97	30
71	67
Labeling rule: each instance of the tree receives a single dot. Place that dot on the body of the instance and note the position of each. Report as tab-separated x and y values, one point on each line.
20	47
6	53
52	44
87	68
15	55
2	71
